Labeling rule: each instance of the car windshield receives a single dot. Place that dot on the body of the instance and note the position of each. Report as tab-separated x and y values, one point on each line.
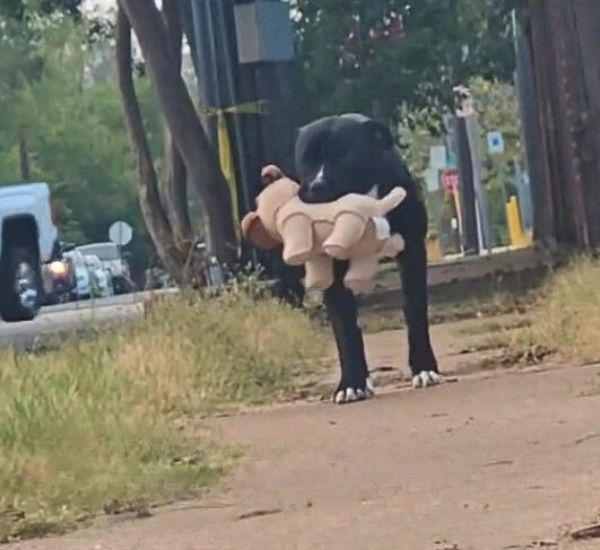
106	252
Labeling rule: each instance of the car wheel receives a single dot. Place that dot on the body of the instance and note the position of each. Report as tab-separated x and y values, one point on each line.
22	287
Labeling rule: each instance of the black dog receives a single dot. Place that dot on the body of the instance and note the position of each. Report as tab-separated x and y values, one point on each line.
354	154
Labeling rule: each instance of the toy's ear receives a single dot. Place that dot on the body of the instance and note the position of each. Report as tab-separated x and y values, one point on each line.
254	230
270	174
380	132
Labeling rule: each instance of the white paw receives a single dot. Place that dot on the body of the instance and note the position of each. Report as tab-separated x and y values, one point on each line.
426	379
351	395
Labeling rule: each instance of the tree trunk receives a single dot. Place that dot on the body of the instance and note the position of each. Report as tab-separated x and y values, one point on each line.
154	215
184	125
175	185
24	159
565	41
187	19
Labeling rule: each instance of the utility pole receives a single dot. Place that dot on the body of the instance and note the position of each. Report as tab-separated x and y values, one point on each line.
245	51
475	212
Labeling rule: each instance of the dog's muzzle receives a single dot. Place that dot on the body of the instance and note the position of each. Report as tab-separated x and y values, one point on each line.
318	190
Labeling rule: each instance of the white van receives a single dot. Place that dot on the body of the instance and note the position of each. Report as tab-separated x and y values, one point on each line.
28	238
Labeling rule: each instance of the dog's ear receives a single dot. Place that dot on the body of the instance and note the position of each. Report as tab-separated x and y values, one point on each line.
254	230
380	132
309	145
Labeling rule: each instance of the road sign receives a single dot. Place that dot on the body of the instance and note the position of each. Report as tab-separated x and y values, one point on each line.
450	181
438	158
432	180
120	233
495	143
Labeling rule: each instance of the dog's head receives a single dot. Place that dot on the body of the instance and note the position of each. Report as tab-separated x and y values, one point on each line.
340	155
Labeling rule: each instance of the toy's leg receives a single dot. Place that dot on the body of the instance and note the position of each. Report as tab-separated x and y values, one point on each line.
319	273
361	273
392	246
348	230
297	235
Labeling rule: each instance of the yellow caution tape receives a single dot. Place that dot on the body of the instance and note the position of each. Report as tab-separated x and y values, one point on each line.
224	142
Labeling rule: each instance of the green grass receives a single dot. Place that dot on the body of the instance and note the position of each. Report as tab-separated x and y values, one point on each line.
107	421
566	319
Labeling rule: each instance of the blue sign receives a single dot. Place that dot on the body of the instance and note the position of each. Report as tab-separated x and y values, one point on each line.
495	143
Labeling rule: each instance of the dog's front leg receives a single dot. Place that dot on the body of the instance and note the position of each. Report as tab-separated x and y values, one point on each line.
355	383
422	361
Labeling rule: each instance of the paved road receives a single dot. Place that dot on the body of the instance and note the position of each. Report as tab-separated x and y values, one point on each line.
70	317
486	464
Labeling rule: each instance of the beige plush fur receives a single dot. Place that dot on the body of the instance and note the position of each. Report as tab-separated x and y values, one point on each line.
352	228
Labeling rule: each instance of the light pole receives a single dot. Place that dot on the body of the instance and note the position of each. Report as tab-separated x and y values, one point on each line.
467	113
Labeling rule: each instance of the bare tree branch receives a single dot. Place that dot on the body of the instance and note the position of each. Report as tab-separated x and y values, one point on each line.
175	185
185	126
154	215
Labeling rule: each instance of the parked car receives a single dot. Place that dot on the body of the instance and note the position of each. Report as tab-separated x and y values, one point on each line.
28	238
83	282
110	256
99	276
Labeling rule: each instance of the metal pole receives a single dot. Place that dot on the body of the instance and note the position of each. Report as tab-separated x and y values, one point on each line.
225	26
206	73
470	242
217	67
208	87
481	201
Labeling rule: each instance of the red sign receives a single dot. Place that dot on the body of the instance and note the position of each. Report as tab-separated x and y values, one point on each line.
450	181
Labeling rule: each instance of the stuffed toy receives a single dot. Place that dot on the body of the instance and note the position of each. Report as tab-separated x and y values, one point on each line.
352	228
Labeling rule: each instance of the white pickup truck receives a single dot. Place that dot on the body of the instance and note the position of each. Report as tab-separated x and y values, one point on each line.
28	237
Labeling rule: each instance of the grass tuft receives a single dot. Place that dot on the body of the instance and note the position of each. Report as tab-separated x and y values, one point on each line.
566	319
100	423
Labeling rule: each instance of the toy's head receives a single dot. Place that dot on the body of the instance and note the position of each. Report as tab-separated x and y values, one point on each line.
259	227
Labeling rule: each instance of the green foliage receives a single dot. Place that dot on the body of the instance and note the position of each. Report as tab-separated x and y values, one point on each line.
404	55
566	318
21	10
497	105
64	106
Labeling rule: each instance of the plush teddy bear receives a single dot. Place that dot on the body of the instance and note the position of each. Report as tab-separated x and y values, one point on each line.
352	228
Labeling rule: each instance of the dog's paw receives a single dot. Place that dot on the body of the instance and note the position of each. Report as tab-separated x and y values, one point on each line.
425	379
352	394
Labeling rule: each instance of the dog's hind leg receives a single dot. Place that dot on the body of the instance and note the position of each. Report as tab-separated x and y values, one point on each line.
355	383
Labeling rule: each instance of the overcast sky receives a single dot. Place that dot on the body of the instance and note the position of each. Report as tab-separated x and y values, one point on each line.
101	5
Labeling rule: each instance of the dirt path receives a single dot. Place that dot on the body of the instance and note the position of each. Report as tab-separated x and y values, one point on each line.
484	464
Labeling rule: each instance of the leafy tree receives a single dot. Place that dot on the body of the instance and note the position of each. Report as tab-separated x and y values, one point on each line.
497	110
390	57
189	156
76	139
